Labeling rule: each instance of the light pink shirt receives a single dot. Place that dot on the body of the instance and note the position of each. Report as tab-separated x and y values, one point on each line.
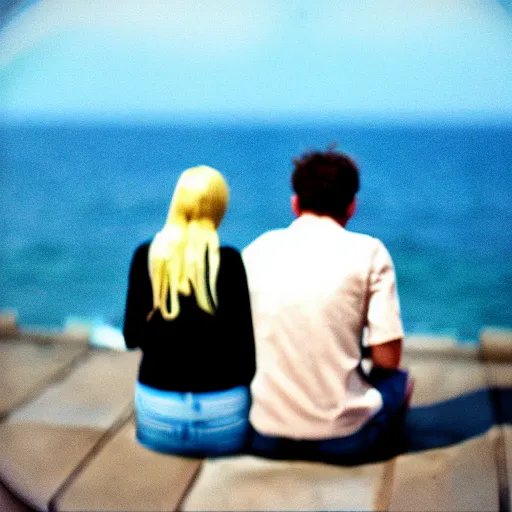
314	287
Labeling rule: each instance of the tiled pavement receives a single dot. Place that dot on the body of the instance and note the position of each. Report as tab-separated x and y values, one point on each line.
67	439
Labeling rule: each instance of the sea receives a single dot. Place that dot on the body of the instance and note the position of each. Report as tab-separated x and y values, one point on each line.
77	199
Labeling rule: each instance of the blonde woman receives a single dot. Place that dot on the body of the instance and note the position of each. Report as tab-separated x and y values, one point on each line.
188	310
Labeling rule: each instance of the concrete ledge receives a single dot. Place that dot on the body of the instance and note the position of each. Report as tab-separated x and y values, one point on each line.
9	329
53	335
435	346
496	344
8	324
42	336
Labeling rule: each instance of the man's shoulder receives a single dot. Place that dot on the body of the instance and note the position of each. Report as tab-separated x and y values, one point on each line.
265	240
376	252
363	239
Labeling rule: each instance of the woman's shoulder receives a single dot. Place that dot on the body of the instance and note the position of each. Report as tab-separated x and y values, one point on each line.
141	252
144	246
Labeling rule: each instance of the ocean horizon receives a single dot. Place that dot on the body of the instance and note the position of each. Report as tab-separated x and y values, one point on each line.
78	199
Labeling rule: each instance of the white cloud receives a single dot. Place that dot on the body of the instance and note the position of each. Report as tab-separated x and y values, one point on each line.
214	27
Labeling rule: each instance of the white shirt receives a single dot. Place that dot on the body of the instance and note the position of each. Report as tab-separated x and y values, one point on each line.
314	287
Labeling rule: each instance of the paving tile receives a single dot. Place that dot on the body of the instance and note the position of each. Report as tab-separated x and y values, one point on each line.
43	441
251	483
10	503
126	476
462	477
36	459
94	395
451	402
438	379
28	367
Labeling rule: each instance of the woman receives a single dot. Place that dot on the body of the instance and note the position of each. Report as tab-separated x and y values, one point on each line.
188	310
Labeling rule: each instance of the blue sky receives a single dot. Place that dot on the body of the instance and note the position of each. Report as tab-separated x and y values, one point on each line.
258	59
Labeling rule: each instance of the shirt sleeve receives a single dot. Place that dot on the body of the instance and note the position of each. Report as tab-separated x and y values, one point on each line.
383	321
138	299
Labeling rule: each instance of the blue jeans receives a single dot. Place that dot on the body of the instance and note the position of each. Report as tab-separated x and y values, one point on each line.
193	424
382	437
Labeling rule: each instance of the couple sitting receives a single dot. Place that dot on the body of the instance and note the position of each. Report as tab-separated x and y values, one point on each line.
312	291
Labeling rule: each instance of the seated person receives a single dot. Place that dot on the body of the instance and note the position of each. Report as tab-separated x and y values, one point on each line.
188	310
315	288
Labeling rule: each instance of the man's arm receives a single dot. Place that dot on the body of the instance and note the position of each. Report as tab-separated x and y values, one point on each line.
385	331
387	355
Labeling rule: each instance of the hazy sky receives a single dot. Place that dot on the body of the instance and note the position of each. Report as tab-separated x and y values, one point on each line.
266	59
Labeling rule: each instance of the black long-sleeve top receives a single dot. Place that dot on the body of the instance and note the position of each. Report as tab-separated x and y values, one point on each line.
197	351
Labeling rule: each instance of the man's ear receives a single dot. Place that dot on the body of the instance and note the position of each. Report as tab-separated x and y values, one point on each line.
351	209
295	205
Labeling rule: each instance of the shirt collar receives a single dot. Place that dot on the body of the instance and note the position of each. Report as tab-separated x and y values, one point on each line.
316	222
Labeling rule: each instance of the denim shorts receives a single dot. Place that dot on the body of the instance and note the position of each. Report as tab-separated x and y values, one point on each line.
380	438
193	424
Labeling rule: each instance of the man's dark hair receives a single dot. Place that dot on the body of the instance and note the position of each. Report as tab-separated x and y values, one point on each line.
325	182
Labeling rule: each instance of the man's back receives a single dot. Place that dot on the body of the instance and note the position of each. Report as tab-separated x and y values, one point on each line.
314	287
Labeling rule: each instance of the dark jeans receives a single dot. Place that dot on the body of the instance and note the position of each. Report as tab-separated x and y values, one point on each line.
381	438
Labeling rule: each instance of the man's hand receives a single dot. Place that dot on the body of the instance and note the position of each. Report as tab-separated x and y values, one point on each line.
387	355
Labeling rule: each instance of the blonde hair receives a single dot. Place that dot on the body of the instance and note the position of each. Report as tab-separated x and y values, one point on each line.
184	255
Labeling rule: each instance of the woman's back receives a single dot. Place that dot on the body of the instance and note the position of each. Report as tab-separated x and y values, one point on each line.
197	351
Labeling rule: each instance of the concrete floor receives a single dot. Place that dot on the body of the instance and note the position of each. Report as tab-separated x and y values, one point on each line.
67	438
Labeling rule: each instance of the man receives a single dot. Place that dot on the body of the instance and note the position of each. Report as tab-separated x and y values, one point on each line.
317	290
